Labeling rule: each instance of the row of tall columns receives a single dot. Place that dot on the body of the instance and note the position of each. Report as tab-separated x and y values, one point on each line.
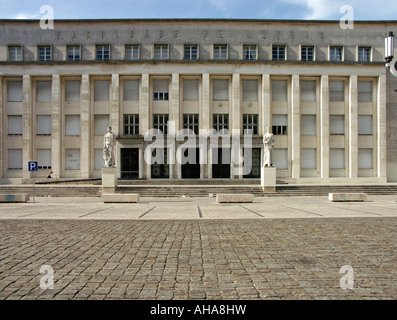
235	116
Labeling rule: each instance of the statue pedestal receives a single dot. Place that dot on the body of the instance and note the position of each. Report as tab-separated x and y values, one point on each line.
268	179
109	180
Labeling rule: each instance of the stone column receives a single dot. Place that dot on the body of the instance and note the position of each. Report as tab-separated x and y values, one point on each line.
324	126
205	120
295	123
175	125
236	119
115	105
27	149
144	115
144	118
266	104
2	132
85	125
353	128
381	128
56	127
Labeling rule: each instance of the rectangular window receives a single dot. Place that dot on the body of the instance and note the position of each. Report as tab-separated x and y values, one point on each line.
337	125
191	90
220	89
74	53
43	125
160	90
250	90
15	53
278	53
364	89
279	90
45	53
103	52
131	90
72	159
337	91
337	158
43	91
99	162
161	52
44	159
132	52
308	159
221	122
250	123
365	159
364	54
220	52
249	52
365	125
160	122
308	125
336	54
280	159
280	123
131	124
14	159
191	122
101	90
308	90
72	125
307	53
191	52
14	125
101	124
72	90
14	91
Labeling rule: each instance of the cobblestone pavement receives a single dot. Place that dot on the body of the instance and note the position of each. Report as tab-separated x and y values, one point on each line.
199	259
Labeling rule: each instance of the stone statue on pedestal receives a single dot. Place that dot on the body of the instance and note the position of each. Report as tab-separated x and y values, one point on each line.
108	148
268	141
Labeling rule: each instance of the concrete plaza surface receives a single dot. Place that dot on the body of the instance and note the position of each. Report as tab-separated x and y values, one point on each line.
195	248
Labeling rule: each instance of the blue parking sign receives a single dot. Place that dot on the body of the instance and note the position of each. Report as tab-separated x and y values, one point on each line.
33	166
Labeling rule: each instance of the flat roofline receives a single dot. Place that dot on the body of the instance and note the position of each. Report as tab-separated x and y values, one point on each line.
195	20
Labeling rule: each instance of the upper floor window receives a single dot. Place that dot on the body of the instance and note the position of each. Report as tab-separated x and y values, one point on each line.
249	52
220	52
45	53
191	122
160	90
364	54
74	53
278	53
160	122
307	53
191	52
221	122
15	53
131	124
250	123
132	52
336	54
161	52
103	52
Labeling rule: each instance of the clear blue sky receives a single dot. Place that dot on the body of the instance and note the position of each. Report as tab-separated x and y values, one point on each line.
249	9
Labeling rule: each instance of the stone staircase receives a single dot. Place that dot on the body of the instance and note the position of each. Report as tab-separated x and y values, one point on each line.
195	188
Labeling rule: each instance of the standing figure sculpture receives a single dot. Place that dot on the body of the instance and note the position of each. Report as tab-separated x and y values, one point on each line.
108	148
268	141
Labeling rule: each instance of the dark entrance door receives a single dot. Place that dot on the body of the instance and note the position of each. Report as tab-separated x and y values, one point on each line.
221	163
255	163
160	170
192	170
129	163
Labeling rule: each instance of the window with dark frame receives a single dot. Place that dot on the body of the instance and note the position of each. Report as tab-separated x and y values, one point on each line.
44	53
250	124
191	52
191	122
364	54
15	53
102	52
220	52
278	53
131	124
336	54
249	52
221	122
161	52
73	53
160	122
132	52
307	53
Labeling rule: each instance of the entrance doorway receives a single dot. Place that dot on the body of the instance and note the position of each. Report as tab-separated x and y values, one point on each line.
191	170
160	170
255	164
129	163
221	163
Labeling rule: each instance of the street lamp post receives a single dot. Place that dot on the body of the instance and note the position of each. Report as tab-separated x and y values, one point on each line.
389	54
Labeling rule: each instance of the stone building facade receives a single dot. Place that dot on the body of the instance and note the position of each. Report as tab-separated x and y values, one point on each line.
323	90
